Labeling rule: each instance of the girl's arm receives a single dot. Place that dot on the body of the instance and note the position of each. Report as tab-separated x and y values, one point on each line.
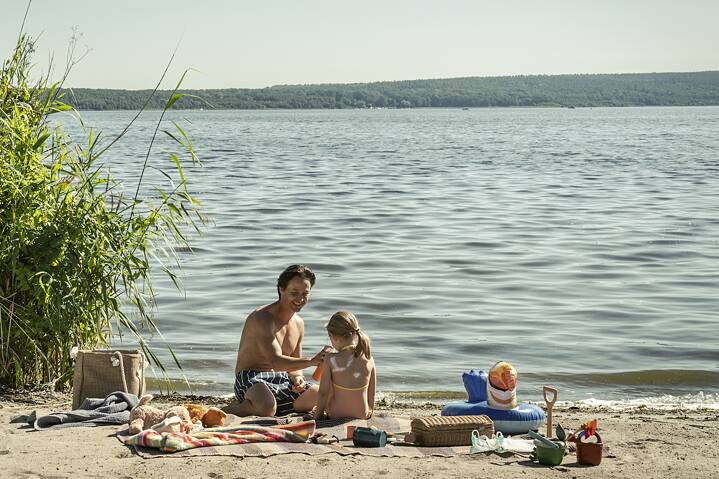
371	387
323	396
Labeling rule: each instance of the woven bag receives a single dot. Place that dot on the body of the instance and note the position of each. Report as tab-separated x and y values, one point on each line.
101	372
450	430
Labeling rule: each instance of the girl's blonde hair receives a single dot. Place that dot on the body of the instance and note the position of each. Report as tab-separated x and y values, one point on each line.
344	324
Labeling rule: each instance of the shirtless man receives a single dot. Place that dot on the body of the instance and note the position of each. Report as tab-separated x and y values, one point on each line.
268	373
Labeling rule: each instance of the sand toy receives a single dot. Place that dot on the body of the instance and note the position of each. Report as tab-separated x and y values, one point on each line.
550	404
589	452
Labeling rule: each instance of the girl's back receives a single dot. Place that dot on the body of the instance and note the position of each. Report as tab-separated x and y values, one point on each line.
352	384
348	381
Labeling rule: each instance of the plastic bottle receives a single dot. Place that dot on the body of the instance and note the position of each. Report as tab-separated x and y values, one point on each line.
317	374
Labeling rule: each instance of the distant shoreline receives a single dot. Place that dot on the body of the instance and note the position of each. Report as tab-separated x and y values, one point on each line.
548	91
413	109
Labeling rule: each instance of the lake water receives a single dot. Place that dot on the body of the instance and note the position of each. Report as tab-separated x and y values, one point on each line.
581	245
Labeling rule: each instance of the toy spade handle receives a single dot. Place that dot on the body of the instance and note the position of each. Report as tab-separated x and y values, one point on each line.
549	390
550	404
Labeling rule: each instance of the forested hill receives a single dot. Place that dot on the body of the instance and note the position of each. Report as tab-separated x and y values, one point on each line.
641	89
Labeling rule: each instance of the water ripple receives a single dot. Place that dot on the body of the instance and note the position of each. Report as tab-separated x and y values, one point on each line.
458	237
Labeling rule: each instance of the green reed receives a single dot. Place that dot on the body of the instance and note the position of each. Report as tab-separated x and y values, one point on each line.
76	251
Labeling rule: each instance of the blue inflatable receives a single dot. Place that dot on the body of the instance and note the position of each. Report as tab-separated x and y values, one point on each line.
520	420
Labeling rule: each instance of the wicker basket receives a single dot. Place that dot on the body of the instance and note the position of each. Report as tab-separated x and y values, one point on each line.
450	430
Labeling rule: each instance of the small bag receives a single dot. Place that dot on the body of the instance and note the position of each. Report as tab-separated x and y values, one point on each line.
368	437
101	372
439	431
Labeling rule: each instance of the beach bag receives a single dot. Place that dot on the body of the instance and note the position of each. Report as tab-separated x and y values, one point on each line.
101	372
438	431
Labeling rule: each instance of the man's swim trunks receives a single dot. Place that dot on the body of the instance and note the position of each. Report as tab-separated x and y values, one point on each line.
279	383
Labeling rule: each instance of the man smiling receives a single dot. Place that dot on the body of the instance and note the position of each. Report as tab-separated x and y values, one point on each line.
268	372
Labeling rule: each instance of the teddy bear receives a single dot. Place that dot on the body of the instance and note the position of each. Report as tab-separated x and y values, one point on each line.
144	416
209	417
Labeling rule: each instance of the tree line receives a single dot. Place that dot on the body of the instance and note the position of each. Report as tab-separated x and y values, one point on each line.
581	90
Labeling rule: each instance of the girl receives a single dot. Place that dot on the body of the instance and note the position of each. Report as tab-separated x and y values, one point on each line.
347	385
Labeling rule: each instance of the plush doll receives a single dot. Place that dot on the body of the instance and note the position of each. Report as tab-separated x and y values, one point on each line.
144	416
208	417
170	424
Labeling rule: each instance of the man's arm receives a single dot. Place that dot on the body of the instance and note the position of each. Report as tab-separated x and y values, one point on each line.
297	353
278	360
281	362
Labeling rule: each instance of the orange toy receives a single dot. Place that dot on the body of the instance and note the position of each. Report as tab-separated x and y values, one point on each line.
590	428
209	417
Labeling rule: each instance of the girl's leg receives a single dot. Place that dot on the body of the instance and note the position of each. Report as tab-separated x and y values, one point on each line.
307	400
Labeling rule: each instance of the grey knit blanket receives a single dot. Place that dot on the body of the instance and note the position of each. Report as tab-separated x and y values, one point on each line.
113	409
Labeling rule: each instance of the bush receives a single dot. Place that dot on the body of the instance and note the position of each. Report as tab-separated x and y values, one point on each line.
75	250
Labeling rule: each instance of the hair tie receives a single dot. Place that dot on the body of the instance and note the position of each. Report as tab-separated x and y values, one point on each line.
356	330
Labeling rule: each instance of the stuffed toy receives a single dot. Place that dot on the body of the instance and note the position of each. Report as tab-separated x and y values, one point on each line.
169	424
144	416
208	417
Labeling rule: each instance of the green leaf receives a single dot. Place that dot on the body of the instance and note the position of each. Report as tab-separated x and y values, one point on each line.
59	107
41	140
172	136
173	99
176	160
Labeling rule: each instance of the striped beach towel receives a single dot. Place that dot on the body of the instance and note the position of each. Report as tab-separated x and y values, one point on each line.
222	436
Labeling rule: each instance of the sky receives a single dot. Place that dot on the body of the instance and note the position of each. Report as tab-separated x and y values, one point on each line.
255	44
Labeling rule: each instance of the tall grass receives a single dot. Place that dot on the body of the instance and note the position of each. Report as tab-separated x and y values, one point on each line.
76	252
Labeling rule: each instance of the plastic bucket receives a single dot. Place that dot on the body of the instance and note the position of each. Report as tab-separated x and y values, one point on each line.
549	455
589	453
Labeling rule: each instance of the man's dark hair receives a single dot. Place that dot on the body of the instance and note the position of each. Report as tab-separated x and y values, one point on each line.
296	270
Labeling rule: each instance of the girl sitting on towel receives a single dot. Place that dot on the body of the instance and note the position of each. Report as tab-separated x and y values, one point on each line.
347	385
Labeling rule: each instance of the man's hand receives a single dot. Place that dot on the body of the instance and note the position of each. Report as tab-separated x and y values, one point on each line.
320	357
298	384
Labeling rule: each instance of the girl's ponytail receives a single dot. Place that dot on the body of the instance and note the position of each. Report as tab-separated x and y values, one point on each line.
362	345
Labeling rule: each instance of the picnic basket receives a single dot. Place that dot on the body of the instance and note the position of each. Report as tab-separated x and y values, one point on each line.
450	430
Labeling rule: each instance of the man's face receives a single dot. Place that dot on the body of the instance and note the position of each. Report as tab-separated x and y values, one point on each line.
296	294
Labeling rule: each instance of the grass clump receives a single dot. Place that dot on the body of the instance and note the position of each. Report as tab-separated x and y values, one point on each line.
75	250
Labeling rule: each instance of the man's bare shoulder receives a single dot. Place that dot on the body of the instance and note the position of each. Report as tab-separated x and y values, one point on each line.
259	316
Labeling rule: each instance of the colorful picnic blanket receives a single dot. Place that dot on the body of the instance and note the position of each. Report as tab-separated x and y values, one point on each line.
222	436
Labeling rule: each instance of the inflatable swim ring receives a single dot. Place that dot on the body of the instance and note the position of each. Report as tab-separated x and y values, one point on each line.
519	420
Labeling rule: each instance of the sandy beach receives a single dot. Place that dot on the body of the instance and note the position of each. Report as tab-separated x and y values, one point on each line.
642	443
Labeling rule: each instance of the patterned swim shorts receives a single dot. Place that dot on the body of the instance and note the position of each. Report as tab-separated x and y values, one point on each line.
279	383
